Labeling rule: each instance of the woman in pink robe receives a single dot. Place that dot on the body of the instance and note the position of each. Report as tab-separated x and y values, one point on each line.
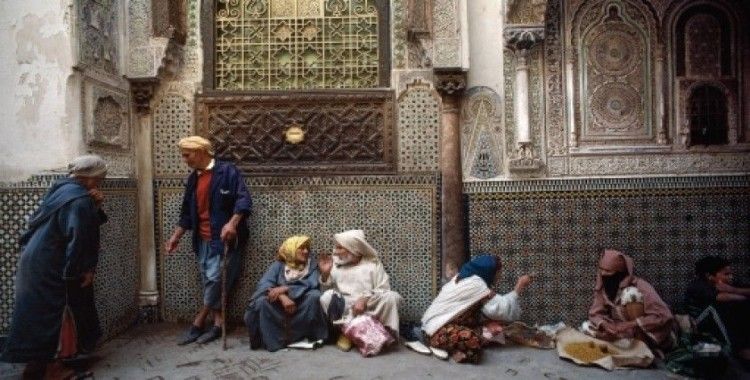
608	316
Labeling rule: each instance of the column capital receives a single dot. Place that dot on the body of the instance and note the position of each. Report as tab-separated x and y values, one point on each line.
523	38
142	90
450	82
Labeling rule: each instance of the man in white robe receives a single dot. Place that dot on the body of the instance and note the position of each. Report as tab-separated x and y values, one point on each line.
356	275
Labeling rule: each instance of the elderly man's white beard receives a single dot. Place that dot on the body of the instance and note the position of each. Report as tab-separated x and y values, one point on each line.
339	261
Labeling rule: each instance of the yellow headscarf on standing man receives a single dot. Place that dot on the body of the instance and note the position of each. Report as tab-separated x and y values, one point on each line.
288	251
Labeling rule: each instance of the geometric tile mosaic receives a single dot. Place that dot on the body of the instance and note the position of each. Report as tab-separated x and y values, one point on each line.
399	215
118	272
418	128
173	120
117	277
559	234
15	207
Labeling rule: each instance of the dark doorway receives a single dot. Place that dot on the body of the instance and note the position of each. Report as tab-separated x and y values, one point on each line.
707	112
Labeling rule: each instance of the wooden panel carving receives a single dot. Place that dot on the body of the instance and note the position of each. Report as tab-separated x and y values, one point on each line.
307	132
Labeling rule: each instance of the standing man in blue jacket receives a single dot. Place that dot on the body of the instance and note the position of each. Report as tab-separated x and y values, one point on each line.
215	207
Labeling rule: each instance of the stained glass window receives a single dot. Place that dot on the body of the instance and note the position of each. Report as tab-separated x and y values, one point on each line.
296	44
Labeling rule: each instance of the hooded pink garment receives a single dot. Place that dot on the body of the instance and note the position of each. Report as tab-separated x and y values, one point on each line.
607	315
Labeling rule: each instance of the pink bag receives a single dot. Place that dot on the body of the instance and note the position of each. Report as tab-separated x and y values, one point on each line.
368	334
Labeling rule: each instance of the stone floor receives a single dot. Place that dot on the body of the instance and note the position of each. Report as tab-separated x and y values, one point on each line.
149	352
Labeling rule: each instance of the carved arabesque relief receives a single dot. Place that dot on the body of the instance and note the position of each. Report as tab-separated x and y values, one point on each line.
614	43
343	132
105	116
526	12
481	134
553	65
705	54
99	32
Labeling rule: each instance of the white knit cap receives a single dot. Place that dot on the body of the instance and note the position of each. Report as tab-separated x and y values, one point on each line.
89	165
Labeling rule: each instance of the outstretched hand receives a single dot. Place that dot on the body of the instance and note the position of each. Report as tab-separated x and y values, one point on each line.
522	283
325	263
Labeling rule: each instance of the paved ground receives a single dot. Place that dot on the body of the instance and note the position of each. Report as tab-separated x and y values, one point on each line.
149	352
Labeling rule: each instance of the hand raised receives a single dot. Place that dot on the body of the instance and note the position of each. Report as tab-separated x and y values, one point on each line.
522	283
98	196
325	263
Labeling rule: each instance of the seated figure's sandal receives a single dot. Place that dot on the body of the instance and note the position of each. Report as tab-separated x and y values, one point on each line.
440	354
418	347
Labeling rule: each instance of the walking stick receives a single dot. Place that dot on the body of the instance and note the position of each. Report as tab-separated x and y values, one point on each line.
224	297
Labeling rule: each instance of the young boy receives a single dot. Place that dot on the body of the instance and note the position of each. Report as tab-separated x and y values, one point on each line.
713	287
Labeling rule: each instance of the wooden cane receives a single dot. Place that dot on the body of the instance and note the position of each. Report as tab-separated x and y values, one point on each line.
224	297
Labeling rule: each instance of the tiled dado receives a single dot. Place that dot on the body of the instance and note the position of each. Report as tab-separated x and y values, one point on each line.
399	214
557	228
117	278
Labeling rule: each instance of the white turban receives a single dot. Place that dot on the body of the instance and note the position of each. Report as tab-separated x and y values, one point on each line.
354	242
88	166
197	143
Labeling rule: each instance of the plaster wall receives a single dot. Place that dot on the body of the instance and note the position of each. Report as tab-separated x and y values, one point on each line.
40	100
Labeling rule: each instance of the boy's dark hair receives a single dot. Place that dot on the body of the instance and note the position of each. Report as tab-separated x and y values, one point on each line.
709	265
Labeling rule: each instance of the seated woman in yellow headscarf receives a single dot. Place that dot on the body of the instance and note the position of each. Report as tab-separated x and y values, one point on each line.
285	307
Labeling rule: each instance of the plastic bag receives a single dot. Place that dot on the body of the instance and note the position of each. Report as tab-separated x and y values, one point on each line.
368	334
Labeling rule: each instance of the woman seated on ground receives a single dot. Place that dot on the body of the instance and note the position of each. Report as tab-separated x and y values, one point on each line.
285	307
454	320
713	286
609	316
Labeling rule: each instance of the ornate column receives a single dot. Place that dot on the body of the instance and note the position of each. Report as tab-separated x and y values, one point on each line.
451	84
661	128
521	40
142	91
570	100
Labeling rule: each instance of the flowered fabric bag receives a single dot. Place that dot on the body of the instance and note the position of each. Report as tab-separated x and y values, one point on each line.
368	334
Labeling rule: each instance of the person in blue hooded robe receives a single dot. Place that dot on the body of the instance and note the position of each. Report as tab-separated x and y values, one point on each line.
55	273
285	307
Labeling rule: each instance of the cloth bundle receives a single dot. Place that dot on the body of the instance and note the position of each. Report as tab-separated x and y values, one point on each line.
368	334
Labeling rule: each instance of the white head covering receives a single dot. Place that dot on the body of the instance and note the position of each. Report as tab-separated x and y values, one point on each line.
89	165
354	242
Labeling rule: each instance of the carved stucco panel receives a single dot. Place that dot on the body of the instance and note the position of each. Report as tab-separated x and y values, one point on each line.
447	34
703	51
481	134
659	6
527	12
98	22
668	164
106	116
555	102
398	38
614	41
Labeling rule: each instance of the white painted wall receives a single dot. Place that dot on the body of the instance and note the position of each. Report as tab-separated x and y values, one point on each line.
486	44
39	92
